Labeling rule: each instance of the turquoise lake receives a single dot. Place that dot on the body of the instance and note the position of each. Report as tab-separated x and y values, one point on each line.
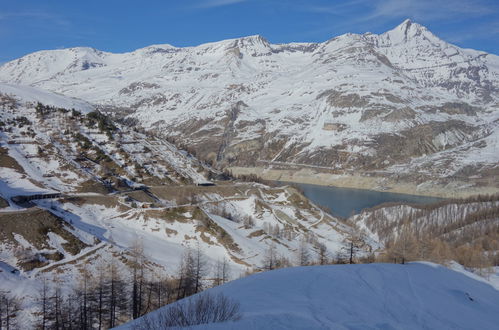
344	202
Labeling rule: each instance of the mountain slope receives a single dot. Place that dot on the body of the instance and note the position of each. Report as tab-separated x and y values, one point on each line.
112	188
374	296
404	103
464	230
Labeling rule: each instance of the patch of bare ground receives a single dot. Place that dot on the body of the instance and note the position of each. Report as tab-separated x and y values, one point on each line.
170	231
9	162
183	193
171	215
92	186
73	261
239	260
108	201
34	225
3	203
141	196
257	233
208	226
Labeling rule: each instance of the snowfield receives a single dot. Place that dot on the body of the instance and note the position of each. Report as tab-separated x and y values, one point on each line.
34	95
371	296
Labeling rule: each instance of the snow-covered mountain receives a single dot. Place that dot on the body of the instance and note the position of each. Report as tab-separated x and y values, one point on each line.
120	190
115	187
404	102
375	296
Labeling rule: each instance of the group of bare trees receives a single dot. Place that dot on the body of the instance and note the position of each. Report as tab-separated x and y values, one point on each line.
193	269
205	308
466	231
308	253
114	293
194	274
9	307
272	259
99	300
409	246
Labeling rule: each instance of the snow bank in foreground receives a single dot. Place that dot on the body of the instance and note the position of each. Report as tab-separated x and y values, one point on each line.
373	296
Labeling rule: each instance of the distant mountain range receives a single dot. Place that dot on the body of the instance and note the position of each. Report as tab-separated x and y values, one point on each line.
403	106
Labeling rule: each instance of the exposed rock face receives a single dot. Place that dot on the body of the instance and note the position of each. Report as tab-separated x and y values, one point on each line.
390	102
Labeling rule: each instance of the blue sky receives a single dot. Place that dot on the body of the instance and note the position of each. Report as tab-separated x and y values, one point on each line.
120	25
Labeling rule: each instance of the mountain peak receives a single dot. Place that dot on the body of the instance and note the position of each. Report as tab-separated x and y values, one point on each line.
254	45
407	31
407	23
254	37
410	26
253	40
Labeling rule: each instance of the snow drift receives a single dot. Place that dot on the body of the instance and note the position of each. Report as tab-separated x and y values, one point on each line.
372	296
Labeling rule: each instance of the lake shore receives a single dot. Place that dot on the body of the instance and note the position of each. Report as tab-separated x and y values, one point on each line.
454	189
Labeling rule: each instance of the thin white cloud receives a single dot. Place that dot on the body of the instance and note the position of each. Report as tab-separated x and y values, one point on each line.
217	3
420	10
430	10
338	9
35	15
486	29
